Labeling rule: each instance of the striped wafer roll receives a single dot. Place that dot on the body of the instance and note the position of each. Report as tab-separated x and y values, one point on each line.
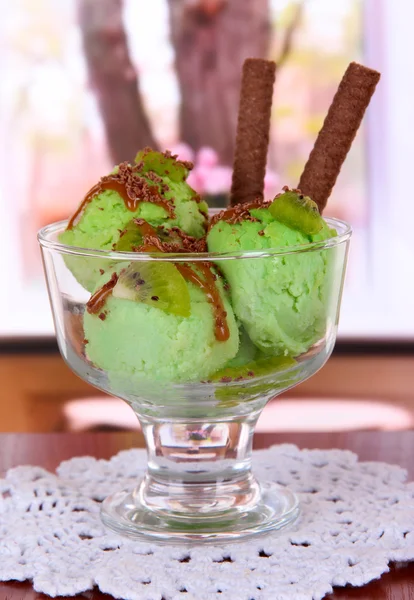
253	127
338	132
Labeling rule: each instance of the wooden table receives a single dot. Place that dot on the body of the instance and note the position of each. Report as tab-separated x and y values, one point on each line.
48	450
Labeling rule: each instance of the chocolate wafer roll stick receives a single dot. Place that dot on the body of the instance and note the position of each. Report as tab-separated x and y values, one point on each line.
253	127
338	132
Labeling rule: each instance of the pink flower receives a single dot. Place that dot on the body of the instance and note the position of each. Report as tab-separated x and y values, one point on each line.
271	184
200	176
207	157
217	180
210	178
183	151
194	181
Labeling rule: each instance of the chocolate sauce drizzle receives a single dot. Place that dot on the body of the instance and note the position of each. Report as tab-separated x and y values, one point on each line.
207	284
203	277
132	188
96	302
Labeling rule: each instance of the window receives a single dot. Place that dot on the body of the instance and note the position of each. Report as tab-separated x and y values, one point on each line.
64	122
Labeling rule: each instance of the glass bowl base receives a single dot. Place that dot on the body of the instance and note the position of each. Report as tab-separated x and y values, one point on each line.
125	514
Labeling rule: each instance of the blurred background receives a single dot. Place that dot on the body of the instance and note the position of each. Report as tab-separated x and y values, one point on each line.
85	83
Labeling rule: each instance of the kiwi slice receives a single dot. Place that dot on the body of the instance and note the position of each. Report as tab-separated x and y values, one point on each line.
171	237
251	379
157	284
131	237
297	212
257	368
163	166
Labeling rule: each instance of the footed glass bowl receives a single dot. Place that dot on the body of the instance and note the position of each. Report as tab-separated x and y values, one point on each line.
196	396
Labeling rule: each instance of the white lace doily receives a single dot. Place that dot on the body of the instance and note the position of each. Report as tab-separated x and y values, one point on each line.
356	518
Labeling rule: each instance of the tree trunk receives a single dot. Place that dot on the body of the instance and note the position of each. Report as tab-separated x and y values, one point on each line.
211	40
114	78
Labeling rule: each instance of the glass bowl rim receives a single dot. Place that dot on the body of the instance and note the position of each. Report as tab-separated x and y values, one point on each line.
45	234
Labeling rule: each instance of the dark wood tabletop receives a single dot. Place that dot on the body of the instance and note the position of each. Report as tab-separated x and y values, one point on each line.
48	450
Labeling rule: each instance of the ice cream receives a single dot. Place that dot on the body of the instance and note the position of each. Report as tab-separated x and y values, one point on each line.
157	324
151	321
147	320
214	318
176	322
153	189
281	301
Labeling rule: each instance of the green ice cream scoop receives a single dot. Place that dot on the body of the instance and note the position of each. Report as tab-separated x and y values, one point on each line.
131	338
280	300
153	189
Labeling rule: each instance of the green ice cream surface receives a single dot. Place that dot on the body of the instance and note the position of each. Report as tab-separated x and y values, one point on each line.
100	224
280	300
139	342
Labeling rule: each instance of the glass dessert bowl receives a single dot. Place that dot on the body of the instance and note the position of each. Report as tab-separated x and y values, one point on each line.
187	366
